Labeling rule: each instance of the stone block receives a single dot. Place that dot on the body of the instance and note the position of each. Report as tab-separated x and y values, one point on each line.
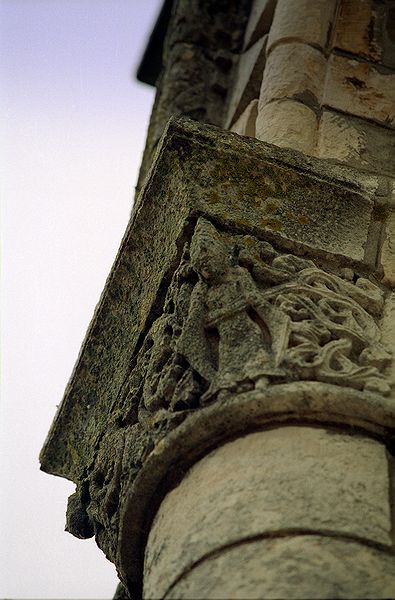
339	139
294	71
309	567
247	80
356	142
302	20
259	21
360	89
288	124
363	28
245	124
290	478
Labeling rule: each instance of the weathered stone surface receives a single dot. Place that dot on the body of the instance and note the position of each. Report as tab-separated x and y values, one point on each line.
295	567
356	142
267	308
192	87
247	80
231	416
237	316
387	327
236	181
262	484
121	593
303	20
287	124
387	258
245	124
259	21
365	28
294	71
216	260
339	139
246	295
360	89
203	40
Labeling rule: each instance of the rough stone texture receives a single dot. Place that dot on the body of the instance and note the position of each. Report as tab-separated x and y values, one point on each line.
366	28
231	416
259	21
388	249
263	483
356	142
253	187
303	20
247	80
245	124
240	315
294	71
360	89
308	567
288	124
387	327
246	296
203	40
339	139
121	593
219	249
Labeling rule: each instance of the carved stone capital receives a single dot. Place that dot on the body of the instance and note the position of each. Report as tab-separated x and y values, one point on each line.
245	294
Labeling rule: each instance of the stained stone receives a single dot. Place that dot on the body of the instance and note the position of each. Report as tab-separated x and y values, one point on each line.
294	71
245	294
311	567
291	478
297	201
356	142
361	89
231	414
364	28
307	21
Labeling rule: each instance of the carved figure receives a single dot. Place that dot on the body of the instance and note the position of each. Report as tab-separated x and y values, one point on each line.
239	315
245	336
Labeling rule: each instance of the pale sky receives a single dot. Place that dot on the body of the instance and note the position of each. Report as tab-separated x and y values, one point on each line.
73	125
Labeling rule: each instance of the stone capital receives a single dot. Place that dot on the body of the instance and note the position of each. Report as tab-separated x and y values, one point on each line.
246	294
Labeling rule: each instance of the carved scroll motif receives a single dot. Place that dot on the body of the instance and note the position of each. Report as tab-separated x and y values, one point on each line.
240	315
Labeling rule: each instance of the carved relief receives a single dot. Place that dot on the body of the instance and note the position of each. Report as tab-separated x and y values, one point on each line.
239	314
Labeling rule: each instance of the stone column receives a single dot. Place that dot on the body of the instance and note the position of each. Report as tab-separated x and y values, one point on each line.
289	512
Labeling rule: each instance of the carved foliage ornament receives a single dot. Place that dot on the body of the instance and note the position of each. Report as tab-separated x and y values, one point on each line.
240	315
